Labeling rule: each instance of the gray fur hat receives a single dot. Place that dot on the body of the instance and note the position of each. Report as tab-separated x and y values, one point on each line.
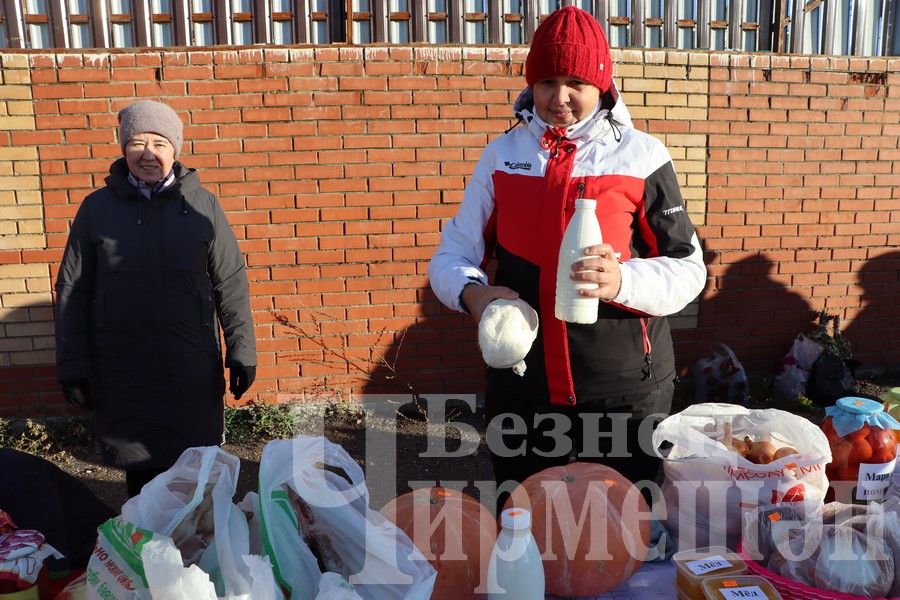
147	116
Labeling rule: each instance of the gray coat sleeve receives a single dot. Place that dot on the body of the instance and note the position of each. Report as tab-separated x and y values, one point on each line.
74	297
225	265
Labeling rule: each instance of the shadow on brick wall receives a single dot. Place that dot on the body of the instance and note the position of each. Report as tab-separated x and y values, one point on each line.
438	353
28	385
752	313
875	331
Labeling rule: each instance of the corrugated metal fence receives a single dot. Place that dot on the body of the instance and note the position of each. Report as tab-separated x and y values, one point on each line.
854	27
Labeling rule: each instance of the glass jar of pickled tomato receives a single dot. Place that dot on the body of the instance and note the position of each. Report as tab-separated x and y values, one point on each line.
863	446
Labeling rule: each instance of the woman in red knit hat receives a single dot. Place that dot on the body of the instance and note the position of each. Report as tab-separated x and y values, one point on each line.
588	388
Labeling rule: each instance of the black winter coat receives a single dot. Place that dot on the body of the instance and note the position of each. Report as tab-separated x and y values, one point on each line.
142	289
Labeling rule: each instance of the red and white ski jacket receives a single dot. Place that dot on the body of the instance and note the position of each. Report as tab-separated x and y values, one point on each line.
516	207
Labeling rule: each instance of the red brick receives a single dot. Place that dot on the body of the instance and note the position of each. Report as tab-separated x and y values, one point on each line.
57	91
789	172
108	90
212	88
265	114
188	72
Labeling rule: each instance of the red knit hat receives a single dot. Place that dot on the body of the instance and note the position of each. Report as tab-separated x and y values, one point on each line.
570	43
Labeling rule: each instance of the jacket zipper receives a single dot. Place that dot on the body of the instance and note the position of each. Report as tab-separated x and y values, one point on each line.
648	349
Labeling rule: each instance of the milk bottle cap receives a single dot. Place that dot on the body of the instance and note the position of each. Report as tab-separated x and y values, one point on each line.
585	203
515	518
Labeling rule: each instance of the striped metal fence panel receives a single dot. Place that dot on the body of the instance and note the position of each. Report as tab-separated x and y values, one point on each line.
851	27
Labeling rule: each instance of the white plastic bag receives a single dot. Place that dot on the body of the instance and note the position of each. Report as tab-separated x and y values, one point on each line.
115	569
848	558
720	377
506	332
192	503
250	507
790	381
168	579
708	486
334	587
314	507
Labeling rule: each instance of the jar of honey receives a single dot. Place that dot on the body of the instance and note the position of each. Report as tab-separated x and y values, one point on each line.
739	588
693	566
863	446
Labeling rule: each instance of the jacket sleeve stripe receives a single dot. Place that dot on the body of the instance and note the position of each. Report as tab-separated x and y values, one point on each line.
467	239
673	274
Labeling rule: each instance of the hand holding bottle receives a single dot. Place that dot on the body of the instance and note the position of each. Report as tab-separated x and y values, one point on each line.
600	265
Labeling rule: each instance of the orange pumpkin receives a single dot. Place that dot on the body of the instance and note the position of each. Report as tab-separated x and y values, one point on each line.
454	532
585	520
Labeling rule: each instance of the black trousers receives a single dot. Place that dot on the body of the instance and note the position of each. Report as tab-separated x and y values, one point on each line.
135	479
528	435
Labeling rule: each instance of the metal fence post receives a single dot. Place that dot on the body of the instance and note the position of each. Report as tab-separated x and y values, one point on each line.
638	38
764	33
495	27
735	19
670	28
601	11
532	13
703	24
855	27
889	45
797	25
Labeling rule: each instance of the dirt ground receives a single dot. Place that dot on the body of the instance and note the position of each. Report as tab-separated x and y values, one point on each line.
395	453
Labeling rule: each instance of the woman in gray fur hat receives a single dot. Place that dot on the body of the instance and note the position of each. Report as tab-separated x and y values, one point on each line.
151	271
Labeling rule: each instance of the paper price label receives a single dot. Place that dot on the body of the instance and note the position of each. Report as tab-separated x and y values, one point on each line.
873	480
743	593
708	565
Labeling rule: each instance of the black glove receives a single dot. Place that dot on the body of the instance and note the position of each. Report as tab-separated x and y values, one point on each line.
241	379
78	392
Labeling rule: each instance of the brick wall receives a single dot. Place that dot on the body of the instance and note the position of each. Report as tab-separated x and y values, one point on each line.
803	203
337	166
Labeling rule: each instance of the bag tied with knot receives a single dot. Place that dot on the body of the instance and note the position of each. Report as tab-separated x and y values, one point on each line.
506	332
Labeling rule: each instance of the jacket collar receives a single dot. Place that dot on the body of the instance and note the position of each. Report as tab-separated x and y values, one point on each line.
595	127
186	179
147	190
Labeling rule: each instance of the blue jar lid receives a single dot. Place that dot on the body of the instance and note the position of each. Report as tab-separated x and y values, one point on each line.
851	413
859	406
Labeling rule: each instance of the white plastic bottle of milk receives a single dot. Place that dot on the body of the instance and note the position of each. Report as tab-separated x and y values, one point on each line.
515	571
582	231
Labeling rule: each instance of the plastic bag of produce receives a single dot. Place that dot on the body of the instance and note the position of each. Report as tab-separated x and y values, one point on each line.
115	569
767	526
720	377
315	518
720	460
168	578
790	381
881	523
837	558
847	562
334	587
192	503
